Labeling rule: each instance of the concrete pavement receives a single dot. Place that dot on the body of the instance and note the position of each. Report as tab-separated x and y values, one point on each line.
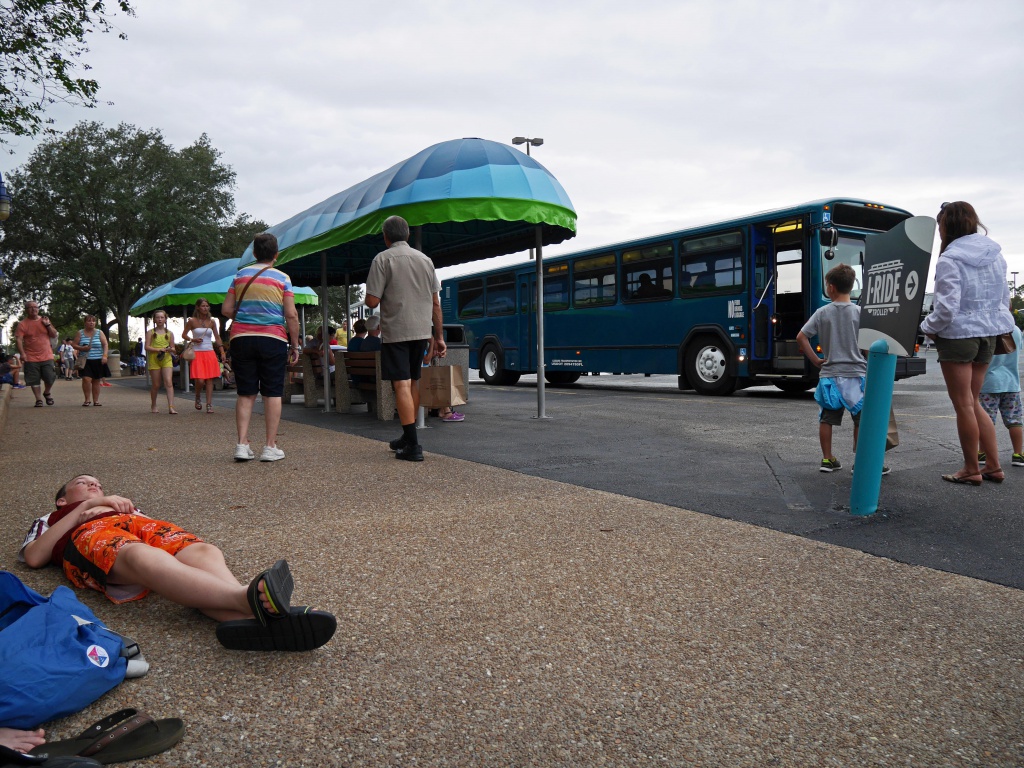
490	617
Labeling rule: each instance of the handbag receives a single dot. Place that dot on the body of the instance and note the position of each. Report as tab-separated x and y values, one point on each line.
1005	344
442	386
56	656
80	360
188	352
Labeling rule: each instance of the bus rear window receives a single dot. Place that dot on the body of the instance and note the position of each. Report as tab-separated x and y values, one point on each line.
711	263
647	273
594	281
471	298
501	294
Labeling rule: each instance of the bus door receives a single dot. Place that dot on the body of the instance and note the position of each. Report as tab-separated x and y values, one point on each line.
781	306
527	322
763	295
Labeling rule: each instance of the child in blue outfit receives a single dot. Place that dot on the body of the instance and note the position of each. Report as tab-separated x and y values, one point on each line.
843	369
1000	393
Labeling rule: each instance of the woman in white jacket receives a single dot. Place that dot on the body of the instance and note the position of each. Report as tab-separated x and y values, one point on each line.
970	310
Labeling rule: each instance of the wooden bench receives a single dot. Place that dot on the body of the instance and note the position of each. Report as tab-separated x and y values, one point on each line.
293	382
371	388
312	378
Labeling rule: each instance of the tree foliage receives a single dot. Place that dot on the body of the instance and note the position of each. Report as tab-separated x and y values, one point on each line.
105	215
42	43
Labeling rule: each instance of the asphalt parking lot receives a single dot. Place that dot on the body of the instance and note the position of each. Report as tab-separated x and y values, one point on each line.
750	457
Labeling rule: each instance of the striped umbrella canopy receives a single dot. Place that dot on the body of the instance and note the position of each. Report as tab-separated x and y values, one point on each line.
210	281
470	198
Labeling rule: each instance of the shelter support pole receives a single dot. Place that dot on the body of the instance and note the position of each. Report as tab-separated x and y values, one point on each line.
325	347
541	413
302	323
182	363
417	243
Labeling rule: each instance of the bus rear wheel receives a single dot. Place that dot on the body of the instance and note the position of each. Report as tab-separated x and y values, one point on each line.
561	378
492	367
707	367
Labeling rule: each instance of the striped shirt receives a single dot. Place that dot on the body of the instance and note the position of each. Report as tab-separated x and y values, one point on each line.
261	312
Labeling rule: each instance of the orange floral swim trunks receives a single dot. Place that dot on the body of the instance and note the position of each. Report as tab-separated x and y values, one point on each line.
93	548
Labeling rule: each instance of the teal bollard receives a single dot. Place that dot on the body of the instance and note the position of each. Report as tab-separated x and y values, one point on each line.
874	424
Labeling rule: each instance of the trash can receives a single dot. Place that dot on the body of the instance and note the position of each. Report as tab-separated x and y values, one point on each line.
114	363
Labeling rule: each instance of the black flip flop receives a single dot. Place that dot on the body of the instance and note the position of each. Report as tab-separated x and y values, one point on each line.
278	584
301	629
11	758
125	735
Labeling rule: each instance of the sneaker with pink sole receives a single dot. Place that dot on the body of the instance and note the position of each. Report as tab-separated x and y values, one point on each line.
453	417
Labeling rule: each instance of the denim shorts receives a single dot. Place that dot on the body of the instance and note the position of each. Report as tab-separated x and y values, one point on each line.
259	363
976	350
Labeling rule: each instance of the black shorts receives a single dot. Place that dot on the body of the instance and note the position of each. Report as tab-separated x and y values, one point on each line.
403	360
259	364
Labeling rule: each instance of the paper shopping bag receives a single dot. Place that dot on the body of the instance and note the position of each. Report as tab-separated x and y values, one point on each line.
441	386
892	436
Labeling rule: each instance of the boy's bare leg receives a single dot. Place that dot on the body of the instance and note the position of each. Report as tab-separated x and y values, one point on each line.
1016	435
825	438
21	741
215	592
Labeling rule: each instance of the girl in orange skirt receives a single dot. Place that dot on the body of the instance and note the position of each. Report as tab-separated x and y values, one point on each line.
205	340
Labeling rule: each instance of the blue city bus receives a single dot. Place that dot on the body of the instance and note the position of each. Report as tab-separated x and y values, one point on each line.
718	305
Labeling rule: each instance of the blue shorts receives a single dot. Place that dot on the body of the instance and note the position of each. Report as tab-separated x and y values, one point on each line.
259	363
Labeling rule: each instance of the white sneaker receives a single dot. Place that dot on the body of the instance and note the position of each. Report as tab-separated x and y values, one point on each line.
244	453
271	454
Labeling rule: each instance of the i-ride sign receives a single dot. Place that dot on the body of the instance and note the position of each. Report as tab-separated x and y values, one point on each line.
895	267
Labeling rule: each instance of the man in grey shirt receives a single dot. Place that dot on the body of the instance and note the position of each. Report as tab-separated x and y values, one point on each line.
403	283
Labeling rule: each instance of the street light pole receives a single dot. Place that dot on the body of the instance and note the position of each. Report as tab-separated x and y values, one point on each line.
541	405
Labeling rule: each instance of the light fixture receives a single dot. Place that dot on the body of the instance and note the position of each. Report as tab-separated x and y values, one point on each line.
528	142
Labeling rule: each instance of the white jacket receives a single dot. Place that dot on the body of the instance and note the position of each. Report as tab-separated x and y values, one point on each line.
972	298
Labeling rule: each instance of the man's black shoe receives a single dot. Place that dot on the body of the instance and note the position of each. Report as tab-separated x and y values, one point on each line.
398	443
410	453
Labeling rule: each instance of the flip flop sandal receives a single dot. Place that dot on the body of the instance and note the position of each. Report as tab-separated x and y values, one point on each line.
49	399
962	480
11	757
124	735
86	405
278	585
39	403
301	630
209	408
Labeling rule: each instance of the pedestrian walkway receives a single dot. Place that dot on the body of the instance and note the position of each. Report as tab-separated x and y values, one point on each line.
488	617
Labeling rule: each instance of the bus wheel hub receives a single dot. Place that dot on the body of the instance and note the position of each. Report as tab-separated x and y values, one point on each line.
710	364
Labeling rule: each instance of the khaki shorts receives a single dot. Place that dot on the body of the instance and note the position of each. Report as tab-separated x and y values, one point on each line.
976	350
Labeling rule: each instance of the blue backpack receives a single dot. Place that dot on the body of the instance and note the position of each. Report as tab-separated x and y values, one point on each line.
56	656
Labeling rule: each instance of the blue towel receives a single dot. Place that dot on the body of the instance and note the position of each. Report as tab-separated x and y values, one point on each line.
841	392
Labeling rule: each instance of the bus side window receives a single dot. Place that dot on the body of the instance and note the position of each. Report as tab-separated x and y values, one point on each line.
501	294
470	298
713	262
594	281
647	273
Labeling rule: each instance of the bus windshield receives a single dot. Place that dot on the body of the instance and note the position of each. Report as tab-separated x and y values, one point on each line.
850	250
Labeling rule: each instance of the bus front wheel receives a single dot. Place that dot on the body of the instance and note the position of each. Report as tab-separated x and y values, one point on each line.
707	367
492	367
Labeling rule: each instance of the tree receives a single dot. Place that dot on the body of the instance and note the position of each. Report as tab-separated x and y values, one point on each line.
41	44
235	236
105	215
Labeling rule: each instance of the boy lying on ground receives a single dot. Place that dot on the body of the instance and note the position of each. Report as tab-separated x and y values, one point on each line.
105	543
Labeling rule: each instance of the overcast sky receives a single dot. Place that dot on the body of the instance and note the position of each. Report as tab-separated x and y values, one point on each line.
655	115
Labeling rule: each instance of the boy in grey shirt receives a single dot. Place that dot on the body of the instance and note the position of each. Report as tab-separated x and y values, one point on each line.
843	369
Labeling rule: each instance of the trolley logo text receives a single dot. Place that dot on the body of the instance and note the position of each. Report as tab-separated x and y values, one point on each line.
882	289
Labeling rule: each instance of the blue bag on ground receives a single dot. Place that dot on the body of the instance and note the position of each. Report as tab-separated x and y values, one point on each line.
56	657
